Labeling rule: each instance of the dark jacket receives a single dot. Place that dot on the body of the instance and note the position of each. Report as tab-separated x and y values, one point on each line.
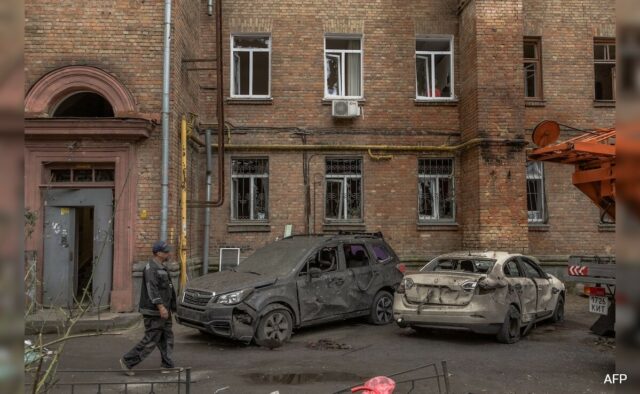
156	288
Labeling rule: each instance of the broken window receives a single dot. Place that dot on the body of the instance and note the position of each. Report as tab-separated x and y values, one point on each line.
434	68
511	269
532	68
84	105
435	190
343	198
251	76
604	59
356	256
381	252
249	189
535	192
343	67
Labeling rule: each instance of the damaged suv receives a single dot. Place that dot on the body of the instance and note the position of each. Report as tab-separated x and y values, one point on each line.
492	293
295	282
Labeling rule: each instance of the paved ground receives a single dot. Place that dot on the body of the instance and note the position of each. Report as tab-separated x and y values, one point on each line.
553	359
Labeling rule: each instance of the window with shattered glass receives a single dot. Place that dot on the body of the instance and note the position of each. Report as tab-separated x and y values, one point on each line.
436	200
535	192
343	67
249	189
251	57
604	59
434	68
343	198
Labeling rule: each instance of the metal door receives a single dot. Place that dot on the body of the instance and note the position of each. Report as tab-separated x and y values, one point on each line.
59	259
102	202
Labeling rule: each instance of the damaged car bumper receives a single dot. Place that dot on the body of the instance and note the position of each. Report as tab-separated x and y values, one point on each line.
229	321
470	317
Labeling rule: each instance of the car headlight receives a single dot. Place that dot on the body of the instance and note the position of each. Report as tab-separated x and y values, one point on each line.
234	297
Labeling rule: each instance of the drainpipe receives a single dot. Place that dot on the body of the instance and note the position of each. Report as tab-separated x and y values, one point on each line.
164	212
207	210
183	203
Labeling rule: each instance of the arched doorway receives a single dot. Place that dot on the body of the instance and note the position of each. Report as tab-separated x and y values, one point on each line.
81	130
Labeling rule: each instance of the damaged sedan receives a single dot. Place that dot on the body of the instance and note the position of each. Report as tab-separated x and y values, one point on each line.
295	282
490	293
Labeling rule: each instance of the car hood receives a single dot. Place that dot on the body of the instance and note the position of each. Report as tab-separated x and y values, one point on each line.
226	281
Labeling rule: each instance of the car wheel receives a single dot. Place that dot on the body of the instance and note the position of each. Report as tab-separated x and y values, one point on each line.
510	329
275	328
558	313
381	308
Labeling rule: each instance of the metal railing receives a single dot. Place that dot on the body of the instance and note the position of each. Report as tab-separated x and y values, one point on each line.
113	381
411	379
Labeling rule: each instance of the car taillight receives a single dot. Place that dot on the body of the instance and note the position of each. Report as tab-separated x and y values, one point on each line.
595	291
402	268
469	285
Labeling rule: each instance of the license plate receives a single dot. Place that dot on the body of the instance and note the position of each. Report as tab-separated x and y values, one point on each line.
599	305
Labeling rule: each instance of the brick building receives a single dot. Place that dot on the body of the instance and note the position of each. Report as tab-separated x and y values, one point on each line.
444	96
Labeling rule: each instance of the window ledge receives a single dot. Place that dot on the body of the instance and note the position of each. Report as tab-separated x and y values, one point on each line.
434	103
248	101
328	101
607	227
437	226
346	226
604	104
534	103
538	227
248	227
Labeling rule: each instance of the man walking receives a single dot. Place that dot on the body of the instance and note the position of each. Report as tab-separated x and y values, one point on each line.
157	301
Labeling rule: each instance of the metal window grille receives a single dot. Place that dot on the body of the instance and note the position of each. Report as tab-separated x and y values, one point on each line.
535	192
343	198
250	189
436	199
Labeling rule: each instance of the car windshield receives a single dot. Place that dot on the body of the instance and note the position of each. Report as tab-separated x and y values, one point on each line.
278	258
460	264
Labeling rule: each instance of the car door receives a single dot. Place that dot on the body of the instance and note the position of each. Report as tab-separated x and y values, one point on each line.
322	286
362	280
523	287
543	285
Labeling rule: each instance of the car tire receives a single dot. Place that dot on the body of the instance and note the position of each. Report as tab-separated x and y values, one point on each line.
274	328
381	308
558	312
510	329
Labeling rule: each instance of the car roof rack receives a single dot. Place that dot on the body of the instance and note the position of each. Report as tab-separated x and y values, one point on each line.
360	234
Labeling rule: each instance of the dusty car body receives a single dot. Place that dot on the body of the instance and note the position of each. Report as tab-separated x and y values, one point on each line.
295	282
491	293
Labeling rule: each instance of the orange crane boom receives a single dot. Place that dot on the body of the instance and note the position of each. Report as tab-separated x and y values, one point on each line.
592	154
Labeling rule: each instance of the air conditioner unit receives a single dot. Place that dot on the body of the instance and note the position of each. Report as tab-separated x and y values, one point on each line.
345	109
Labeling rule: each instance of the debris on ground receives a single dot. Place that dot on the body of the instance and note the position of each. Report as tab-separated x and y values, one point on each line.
605	342
327	344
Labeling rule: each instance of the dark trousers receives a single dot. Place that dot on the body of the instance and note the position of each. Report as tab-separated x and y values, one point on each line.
157	332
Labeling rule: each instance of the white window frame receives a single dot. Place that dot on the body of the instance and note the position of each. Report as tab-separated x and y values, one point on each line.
536	217
341	53
607	43
344	202
252	191
234	50
436	192
432	65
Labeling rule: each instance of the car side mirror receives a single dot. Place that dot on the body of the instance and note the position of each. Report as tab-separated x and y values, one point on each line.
314	273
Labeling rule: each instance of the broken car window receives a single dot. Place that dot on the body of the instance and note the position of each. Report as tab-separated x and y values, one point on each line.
326	260
511	269
471	264
381	252
356	255
530	270
278	258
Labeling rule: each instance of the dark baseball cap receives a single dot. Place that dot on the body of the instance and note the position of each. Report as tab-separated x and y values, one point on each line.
161	246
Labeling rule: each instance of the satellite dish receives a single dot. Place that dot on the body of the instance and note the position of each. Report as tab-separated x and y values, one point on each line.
546	133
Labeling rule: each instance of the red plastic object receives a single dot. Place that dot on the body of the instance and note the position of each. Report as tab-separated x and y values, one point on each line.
377	385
